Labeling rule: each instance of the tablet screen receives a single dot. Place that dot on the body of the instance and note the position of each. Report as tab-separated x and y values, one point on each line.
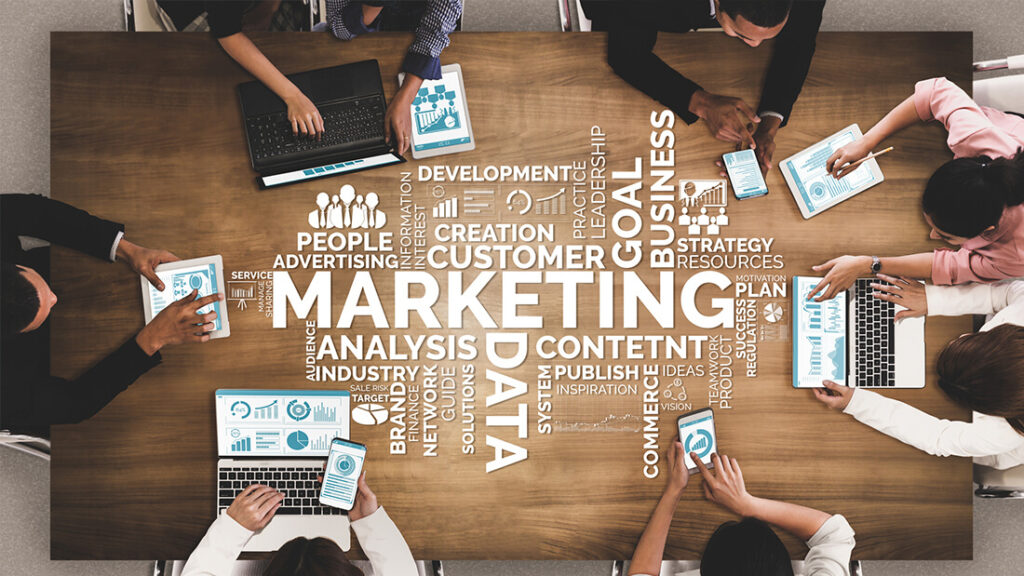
819	336
816	187
179	283
439	113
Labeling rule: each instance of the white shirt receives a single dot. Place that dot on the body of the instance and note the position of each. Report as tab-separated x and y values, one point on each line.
377	534
829	553
989	439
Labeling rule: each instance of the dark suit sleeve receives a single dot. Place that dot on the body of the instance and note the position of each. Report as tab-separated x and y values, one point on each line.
794	49
52	400
58	223
631	56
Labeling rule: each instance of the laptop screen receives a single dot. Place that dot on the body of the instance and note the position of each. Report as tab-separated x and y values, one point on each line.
819	336
275	423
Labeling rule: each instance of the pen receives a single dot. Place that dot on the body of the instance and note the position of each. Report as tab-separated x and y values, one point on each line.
853	165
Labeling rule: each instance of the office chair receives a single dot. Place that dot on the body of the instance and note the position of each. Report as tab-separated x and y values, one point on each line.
255	567
674	567
38	447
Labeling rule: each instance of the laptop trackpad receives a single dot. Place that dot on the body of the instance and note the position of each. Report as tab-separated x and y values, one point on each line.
284	528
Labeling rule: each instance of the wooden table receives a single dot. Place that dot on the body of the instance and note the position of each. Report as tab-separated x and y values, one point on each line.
146	130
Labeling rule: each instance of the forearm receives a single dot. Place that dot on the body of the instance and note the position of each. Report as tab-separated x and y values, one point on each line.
800	521
651	548
897	119
912	266
243	51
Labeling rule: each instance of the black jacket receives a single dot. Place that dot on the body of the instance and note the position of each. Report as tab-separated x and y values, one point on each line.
31	399
633	28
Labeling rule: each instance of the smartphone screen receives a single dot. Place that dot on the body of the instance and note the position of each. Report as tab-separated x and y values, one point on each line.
745	174
697	434
344	464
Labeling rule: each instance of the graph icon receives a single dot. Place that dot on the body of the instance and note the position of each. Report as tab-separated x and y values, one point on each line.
709	193
268	412
243	445
298	440
447	208
241	409
323	442
322	413
553	204
240	290
435	111
268	440
478	202
772	312
298	410
700	442
345	465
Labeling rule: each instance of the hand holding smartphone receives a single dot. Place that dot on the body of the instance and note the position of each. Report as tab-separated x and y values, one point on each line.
697	434
341	476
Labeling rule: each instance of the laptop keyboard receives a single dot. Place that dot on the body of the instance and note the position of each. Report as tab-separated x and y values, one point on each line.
875	333
299	486
345	122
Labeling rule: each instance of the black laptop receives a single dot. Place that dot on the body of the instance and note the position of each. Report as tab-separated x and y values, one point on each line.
350	99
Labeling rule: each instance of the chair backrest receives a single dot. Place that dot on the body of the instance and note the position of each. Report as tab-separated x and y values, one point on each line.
999	483
1002	93
38	447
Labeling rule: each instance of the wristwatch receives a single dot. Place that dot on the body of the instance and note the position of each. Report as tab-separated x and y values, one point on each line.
876	265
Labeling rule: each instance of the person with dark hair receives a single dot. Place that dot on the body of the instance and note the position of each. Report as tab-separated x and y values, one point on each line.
255	507
633	28
748	546
434	21
983	371
975	201
229	20
30	398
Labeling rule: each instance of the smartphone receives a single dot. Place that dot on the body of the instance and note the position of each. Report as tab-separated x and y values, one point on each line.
697	434
344	465
745	174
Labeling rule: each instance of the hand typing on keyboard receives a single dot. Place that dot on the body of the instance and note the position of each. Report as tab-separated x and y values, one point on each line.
905	292
255	506
398	118
304	116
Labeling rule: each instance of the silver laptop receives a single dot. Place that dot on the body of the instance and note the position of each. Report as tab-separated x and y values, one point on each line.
853	340
281	438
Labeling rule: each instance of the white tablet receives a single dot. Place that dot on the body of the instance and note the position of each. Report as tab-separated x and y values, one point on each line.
440	116
180	279
814	189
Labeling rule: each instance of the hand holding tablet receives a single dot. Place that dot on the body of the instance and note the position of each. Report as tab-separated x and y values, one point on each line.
189	306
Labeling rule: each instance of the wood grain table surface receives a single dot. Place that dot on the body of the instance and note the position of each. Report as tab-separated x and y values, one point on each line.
146	130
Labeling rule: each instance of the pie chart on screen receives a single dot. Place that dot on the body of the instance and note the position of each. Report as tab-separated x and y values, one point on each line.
298	440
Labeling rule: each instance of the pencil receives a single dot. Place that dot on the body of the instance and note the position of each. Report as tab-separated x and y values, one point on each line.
853	165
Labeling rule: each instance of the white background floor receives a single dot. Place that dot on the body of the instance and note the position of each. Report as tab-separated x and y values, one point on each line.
24	167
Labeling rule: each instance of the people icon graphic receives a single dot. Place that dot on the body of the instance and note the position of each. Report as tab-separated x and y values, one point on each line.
319	218
347	210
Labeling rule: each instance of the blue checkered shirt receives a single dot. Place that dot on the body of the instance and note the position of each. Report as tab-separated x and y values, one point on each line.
345	19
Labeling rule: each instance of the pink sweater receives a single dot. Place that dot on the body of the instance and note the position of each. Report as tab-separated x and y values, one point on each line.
975	131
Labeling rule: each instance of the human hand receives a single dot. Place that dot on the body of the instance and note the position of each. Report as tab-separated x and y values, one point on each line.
764	138
728	118
837	163
840	274
144	260
678	475
304	116
724	485
255	506
398	118
904	292
178	323
366	501
834	396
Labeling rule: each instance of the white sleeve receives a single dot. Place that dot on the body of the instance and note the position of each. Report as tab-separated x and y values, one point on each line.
973	298
986	436
830	549
113	247
219	549
384	546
